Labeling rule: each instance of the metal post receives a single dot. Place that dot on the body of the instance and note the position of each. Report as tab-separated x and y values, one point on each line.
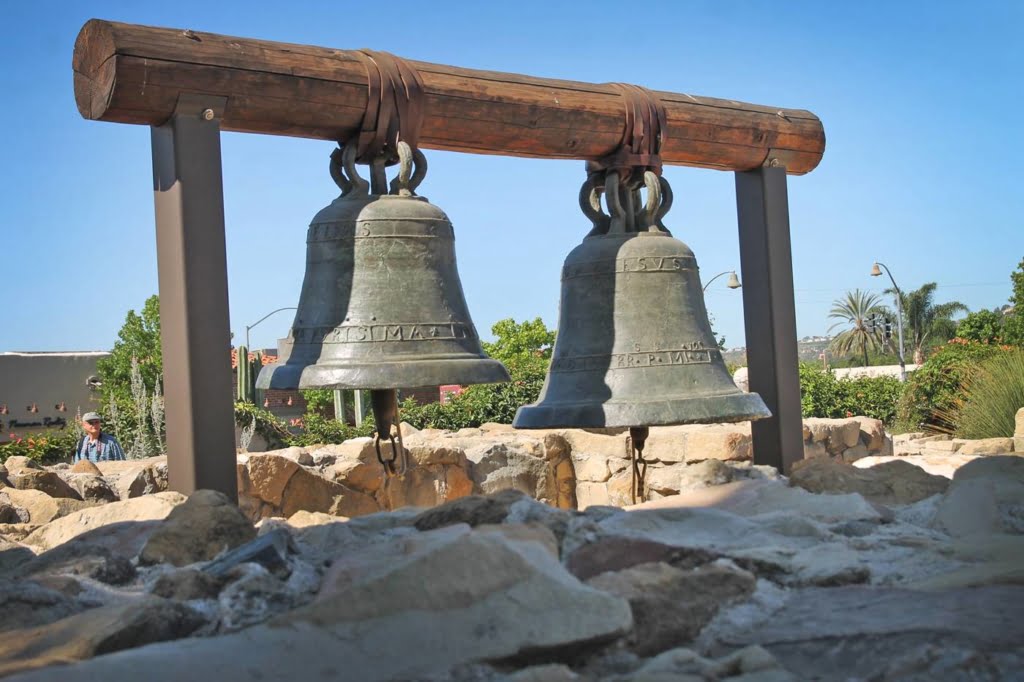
339	405
769	314
899	315
360	410
194	319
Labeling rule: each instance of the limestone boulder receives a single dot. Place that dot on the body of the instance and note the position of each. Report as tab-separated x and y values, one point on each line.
695	597
858	451
473	510
835	434
872	433
41	507
501	465
987	446
126	512
27	604
95	632
355	464
145	481
92	488
85	466
205	525
667	443
48	482
17	464
895	482
310	492
985	497
731	442
1018	431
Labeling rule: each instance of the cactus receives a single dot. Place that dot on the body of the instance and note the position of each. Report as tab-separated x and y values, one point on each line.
246	382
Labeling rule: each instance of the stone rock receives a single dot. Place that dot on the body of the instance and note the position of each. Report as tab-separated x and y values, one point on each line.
269	475
814	450
18	464
148	508
270	551
895	482
987	446
872	433
207	524
81	558
11	513
1018	431
836	434
355	464
253	597
96	632
593	468
695	597
13	555
27	605
46	482
501	465
146	481
92	488
858	451
750	664
666	480
742	379
473	510
296	454
858	632
704	474
426	486
310	492
986	496
718	441
85	466
41	507
186	584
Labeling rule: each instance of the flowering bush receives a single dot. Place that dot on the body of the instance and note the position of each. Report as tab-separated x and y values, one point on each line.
823	395
46	448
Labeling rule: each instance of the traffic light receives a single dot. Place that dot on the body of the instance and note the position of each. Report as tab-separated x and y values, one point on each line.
888	329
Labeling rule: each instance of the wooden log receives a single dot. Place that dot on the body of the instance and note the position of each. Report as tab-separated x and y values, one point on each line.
134	74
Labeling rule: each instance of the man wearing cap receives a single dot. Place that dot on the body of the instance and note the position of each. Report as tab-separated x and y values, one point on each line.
95	445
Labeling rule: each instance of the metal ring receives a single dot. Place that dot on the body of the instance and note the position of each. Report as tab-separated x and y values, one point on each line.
348	162
337	174
590	204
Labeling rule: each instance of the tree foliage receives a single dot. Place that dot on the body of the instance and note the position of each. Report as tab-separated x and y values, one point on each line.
926	322
983	326
138	339
853	312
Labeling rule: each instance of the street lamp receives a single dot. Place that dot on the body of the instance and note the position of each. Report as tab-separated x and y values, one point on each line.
250	326
733	283
875	272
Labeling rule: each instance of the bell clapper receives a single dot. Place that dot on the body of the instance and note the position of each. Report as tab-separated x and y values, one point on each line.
635	447
385	416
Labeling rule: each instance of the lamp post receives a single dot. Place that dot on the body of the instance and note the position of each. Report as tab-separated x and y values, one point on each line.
876	270
733	283
250	326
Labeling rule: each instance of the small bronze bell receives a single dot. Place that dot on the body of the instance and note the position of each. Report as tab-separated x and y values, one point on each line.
634	345
381	305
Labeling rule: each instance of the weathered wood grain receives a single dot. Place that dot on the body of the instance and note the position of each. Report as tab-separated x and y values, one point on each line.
134	74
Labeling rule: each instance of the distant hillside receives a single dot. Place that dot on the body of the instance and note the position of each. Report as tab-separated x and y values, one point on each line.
808	349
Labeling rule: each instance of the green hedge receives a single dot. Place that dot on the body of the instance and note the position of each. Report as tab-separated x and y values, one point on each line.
45	448
823	395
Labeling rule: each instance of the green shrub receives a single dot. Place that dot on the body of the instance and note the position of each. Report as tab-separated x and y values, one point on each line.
823	395
992	395
930	400
267	425
45	448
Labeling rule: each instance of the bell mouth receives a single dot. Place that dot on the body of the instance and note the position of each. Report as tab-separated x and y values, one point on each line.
409	373
703	409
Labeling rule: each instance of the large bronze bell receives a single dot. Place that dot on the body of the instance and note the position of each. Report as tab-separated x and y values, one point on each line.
381	305
634	345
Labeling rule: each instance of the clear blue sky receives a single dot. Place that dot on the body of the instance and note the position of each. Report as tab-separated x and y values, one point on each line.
921	104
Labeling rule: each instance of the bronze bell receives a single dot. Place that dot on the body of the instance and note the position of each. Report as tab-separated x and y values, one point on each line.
634	345
381	305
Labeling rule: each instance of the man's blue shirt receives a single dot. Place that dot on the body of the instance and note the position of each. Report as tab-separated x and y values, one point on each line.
105	448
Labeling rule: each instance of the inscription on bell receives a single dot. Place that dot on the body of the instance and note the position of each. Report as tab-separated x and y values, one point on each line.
696	355
419	229
638	264
384	333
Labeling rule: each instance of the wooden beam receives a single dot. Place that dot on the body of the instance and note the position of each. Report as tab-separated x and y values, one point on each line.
135	74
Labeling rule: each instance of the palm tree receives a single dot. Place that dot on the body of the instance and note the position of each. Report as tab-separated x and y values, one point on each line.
855	310
924	319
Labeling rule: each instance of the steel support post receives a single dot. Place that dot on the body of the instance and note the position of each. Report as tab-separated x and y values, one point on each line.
769	314
194	321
